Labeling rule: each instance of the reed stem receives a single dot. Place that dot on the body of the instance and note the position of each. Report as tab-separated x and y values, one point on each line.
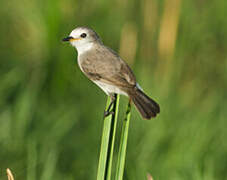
123	145
107	142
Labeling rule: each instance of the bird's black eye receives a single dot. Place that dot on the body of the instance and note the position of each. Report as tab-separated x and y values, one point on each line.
83	35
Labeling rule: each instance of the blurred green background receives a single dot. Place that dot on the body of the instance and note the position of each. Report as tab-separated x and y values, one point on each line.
51	114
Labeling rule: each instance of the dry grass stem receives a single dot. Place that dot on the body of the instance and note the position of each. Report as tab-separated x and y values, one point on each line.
9	174
149	177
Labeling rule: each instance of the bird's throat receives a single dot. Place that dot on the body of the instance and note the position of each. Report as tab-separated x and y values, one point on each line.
82	48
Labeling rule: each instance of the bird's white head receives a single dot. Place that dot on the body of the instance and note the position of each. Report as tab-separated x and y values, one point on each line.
83	39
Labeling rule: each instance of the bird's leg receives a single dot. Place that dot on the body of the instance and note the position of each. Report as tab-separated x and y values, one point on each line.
108	112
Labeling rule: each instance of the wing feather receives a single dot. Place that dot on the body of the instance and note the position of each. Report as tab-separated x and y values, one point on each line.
105	65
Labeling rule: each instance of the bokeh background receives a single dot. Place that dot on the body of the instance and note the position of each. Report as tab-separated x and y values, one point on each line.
51	115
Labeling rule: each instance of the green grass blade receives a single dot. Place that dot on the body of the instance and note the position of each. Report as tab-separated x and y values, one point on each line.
112	137
123	145
107	142
104	144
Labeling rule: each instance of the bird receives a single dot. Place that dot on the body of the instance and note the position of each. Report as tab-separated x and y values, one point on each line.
105	68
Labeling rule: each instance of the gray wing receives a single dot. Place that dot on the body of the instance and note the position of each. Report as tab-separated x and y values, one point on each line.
105	65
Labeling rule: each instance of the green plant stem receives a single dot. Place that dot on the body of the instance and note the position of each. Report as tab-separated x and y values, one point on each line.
107	142
112	136
123	145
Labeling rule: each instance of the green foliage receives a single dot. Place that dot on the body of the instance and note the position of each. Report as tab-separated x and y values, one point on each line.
51	114
108	141
105	166
123	145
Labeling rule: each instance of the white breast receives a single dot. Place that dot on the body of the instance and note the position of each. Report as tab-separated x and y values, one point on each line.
110	89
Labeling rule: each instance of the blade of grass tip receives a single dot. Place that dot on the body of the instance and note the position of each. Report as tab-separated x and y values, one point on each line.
149	177
9	174
123	145
112	137
108	135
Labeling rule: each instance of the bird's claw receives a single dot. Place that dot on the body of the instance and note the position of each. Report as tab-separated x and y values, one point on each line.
107	113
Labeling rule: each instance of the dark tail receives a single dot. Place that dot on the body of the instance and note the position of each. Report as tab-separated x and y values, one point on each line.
147	107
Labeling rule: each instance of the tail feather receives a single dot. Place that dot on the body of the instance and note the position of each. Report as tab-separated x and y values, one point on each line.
147	107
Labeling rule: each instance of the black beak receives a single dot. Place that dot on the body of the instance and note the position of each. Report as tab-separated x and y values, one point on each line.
67	38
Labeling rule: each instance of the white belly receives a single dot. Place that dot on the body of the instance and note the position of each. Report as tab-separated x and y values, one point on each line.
110	89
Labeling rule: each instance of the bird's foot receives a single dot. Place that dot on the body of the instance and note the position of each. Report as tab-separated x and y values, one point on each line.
107	113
